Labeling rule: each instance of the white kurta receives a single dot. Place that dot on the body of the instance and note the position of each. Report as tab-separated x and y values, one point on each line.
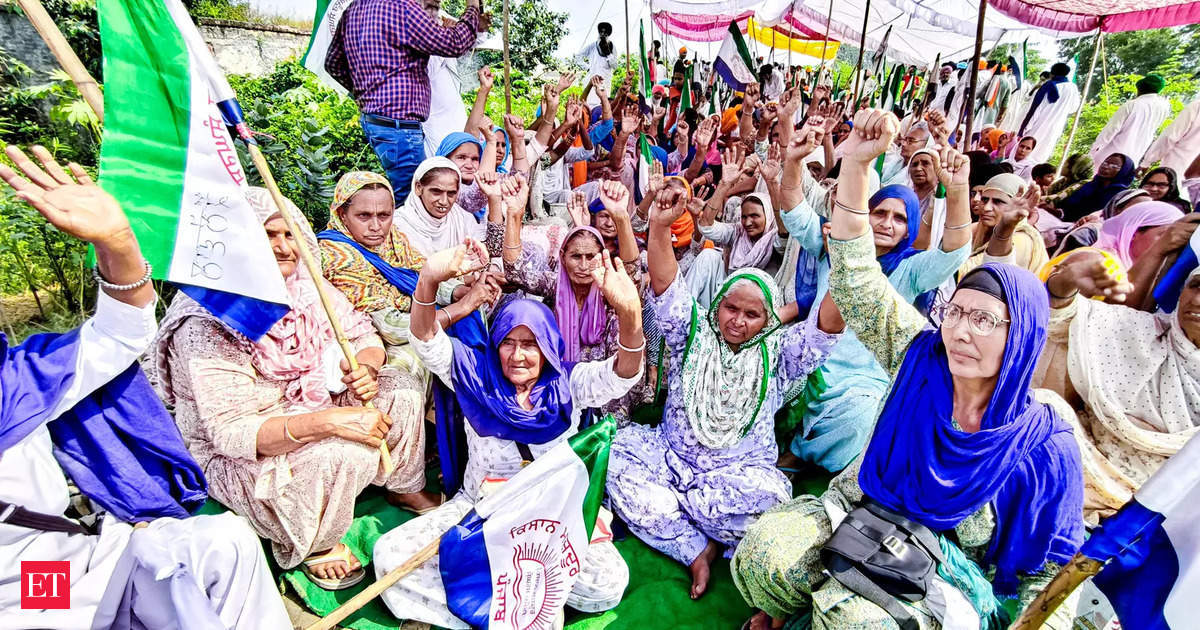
1047	121
420	596
1179	142
208	569
598	65
1131	130
446	111
939	96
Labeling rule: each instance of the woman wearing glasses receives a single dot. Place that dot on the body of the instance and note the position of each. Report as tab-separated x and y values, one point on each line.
962	455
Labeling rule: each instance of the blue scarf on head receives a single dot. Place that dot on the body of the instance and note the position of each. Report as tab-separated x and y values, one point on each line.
808	266
489	401
456	139
1023	461
119	444
469	329
1096	193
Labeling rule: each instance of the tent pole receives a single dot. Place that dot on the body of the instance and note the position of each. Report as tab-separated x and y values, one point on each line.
1104	69
825	45
507	68
1082	99
969	102
862	44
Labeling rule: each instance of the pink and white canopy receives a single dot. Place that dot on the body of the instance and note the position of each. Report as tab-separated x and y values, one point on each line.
1110	16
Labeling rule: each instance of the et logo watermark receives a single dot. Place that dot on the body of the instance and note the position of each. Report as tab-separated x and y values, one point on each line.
46	585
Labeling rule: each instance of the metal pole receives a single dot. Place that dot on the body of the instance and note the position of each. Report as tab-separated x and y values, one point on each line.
1082	99
508	82
65	55
969	102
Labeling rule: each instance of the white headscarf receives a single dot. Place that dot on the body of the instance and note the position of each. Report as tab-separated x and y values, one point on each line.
747	253
426	233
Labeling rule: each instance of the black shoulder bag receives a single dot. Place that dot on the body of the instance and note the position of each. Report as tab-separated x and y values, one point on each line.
884	557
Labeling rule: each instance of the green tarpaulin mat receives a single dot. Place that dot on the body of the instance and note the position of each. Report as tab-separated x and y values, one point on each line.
657	592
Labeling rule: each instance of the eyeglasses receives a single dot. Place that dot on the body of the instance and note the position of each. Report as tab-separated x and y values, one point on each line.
1156	185
983	323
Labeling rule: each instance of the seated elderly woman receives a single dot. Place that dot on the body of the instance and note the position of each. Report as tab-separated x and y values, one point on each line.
281	434
589	325
1136	376
838	416
691	485
520	398
961	450
374	265
1003	234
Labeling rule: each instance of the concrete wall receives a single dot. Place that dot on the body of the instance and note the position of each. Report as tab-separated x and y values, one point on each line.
252	48
240	48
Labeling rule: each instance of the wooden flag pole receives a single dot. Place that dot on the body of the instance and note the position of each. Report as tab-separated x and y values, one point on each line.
972	94
65	55
627	53
862	43
1062	163
314	270
507	67
375	590
1056	592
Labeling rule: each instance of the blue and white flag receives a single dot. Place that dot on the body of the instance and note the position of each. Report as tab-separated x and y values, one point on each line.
1152	549
512	561
1166	292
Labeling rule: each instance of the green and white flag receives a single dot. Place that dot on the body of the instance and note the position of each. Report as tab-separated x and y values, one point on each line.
645	163
325	22
685	95
647	84
168	158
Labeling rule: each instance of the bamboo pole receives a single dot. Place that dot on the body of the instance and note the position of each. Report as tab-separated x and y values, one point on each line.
1056	592
862	44
62	51
972	95
377	589
314	270
507	67
825	45
1082	99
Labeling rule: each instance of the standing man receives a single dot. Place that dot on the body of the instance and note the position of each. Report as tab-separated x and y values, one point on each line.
1179	142
600	59
1052	105
1131	130
380	53
993	101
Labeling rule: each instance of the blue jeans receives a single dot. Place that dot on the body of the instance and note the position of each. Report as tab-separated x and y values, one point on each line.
400	150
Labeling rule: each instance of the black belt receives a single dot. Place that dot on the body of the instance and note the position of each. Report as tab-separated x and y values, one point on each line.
394	123
21	517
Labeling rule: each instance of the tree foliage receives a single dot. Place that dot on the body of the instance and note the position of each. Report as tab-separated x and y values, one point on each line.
534	31
1136	53
1035	63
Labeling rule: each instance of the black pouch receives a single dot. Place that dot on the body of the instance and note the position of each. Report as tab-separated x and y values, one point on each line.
884	557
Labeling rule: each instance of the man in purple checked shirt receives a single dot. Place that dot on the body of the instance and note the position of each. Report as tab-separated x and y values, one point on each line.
379	54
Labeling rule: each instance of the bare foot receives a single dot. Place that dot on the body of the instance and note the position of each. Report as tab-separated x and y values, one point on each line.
762	621
335	568
415	501
700	567
789	460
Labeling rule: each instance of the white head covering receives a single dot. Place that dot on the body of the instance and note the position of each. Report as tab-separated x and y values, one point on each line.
747	253
429	234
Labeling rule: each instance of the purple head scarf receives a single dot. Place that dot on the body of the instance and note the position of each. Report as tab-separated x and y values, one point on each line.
489	401
578	326
1023	461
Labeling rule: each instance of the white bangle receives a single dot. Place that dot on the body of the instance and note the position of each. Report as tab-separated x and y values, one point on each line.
418	301
105	284
632	350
